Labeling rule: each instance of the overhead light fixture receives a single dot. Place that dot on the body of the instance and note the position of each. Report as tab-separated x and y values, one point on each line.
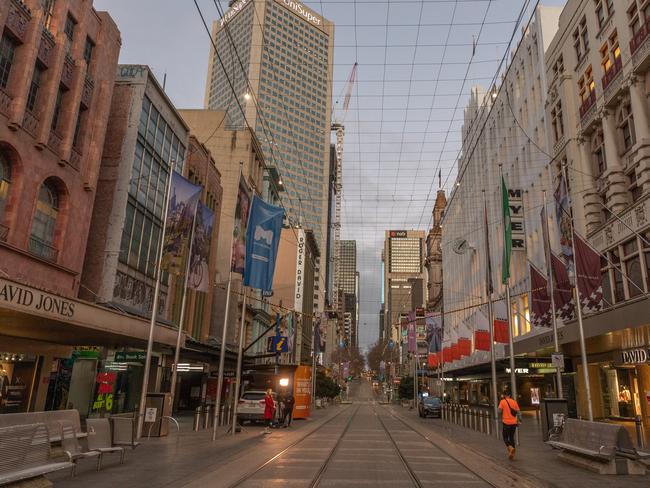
494	92
247	96
284	381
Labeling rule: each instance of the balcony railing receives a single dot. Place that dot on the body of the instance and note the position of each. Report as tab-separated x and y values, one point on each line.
4	232
18	18
43	249
30	122
75	159
588	102
87	93
68	71
5	102
639	37
46	47
54	142
612	72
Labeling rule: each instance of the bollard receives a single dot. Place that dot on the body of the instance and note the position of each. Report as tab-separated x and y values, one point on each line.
207	418
472	419
488	416
481	422
456	414
640	441
197	419
444	412
465	417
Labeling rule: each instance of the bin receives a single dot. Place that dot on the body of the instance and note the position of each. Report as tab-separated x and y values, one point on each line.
162	403
553	410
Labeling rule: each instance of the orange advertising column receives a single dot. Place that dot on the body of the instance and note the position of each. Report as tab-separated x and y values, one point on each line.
302	392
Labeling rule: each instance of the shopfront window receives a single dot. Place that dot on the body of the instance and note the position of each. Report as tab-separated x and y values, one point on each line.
620	391
16	381
619	289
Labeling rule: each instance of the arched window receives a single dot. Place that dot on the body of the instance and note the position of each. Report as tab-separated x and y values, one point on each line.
598	153
625	126
44	223
5	181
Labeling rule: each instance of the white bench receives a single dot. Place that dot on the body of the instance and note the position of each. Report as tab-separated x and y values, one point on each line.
26	453
51	419
597	446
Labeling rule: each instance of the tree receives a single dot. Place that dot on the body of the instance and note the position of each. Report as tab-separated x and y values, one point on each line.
405	390
377	354
326	387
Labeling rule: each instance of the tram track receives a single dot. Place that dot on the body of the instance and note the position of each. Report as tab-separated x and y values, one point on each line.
316	480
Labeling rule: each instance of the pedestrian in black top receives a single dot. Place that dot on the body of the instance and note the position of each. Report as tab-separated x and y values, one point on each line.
287	411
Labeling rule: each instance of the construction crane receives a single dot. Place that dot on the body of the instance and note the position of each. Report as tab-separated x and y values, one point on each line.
338	118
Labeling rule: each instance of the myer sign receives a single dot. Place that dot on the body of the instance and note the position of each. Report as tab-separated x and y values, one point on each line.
517	219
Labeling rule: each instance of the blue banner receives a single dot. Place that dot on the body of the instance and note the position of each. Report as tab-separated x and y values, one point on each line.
262	241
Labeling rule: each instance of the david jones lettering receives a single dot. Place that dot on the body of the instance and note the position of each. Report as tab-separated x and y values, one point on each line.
40	301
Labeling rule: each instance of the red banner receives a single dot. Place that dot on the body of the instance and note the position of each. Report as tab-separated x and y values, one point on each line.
464	347
482	340
434	359
455	352
501	331
446	355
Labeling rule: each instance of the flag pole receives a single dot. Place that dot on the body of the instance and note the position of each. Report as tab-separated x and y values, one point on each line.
182	317
556	342
313	364
154	310
240	354
578	306
224	333
511	344
488	285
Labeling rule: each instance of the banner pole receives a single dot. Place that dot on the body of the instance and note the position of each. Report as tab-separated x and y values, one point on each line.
182	317
556	342
224	333
154	310
578	306
488	284
240	354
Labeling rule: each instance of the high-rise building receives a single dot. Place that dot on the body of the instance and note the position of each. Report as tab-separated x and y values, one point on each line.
348	285
404	276
274	59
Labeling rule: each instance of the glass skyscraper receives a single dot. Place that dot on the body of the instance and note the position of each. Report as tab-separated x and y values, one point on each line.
274	57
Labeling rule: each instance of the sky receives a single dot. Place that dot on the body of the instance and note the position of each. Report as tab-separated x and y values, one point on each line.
418	60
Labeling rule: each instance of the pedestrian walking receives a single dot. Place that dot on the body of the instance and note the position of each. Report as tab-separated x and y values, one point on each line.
509	410
269	410
287	409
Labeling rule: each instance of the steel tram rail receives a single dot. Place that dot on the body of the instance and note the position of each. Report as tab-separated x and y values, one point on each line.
323	467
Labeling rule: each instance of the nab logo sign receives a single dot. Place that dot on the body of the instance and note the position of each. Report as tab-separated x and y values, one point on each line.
397	233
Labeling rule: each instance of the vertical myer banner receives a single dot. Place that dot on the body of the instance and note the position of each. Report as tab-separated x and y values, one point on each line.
239	229
183	200
199	278
411	335
514	233
262	241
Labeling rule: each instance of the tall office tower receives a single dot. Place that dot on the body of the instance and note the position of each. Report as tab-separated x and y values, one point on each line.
404	276
348	284
274	57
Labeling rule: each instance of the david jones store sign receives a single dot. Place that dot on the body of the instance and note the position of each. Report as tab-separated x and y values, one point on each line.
35	300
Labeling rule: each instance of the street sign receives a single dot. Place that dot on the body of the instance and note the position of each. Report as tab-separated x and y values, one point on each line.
557	359
277	344
130	356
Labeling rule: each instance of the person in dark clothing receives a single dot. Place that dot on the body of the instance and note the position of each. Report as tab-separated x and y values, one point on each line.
287	409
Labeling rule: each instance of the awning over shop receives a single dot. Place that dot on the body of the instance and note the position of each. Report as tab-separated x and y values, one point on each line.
30	313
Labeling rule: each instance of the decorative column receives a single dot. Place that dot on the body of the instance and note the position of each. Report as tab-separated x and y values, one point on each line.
639	102
588	213
615	178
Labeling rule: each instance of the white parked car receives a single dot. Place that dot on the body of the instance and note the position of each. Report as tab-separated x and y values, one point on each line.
251	405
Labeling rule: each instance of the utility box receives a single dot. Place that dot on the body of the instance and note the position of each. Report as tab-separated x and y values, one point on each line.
158	405
554	411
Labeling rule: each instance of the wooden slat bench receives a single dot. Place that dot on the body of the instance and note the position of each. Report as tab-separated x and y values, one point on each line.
51	419
596	446
26	453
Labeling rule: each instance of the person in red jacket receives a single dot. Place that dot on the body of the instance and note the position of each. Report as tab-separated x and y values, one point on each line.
269	410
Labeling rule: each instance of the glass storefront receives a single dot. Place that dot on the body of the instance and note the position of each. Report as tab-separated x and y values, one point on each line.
17	375
621	390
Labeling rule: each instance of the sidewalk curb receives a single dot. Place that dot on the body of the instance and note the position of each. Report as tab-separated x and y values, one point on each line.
490	470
